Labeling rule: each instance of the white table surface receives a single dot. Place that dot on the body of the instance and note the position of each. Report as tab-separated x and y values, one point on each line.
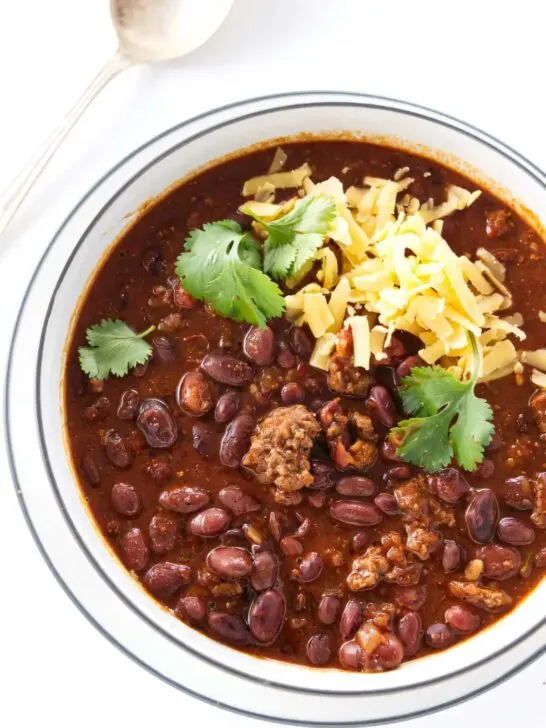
55	669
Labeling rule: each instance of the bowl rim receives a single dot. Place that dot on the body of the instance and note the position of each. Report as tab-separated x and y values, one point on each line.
323	98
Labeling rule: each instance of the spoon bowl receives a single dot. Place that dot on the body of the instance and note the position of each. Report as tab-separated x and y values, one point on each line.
159	30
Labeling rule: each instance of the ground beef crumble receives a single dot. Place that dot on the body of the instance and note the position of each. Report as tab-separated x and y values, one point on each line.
280	447
343	376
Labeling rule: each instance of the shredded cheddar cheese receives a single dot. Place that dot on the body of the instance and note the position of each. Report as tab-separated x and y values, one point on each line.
393	270
278	180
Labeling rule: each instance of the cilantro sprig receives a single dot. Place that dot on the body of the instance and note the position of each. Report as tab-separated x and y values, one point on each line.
294	238
222	265
449	420
114	348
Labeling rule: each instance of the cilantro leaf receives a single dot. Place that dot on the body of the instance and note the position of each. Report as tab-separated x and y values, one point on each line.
449	420
294	238
221	265
472	431
278	261
114	348
426	441
428	389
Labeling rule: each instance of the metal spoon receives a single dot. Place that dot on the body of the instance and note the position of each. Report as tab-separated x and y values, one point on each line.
147	30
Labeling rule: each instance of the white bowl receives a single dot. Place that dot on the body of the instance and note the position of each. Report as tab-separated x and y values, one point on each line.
57	516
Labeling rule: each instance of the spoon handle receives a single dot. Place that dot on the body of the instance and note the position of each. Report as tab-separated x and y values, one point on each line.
14	195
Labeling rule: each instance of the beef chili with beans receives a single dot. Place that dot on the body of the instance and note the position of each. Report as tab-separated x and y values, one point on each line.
306	404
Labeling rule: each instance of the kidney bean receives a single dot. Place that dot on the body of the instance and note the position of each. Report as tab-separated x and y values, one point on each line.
237	501
397	472
116	450
301	342
518	493
227	369
134	550
164	350
203	439
193	394
515	532
292	393
309	568
158	470
451	556
499	562
386	503
210	522
266	615
264	571
396	349
389	654
90	469
356	485
125	499
540	558
259	345
360	541
166	578
410	631
230	628
482	515
355	513
163	531
350	619
317	499
227	406
275	525
191	608
387	376
291	546
462	619
449	484
329	608
184	498
128	404
324	475
156	423
233	533
350	655
439	635
407	364
389	448
410	597
319	649
231	562
285	358
236	440
98	411
381	406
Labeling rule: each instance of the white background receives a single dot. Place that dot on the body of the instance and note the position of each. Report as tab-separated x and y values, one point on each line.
481	61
